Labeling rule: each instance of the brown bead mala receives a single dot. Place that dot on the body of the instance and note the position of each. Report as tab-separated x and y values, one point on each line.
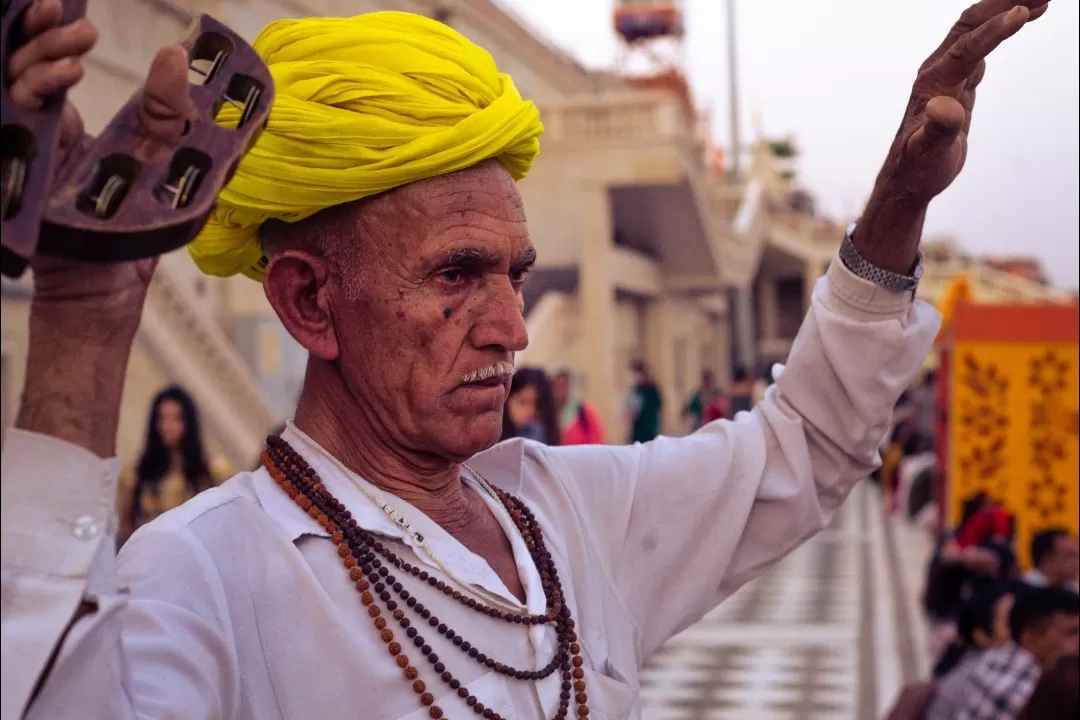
363	555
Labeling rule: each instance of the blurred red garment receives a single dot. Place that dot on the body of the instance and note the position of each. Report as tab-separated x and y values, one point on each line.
717	409
990	524
585	429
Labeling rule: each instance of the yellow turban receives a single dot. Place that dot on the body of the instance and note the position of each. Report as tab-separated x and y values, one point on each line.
363	105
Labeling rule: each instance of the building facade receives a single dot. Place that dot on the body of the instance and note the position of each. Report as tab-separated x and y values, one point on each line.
645	251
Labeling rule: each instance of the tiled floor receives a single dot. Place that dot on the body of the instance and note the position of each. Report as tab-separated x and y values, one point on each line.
785	646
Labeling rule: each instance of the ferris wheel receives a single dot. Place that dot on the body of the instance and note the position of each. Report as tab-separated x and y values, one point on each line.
651	34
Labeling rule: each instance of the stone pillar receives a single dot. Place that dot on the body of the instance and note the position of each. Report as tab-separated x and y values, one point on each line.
662	346
742	318
597	301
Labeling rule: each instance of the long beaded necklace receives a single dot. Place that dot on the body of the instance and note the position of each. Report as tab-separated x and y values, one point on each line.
370	563
402	522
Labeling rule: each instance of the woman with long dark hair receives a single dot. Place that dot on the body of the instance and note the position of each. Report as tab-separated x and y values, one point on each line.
530	408
174	465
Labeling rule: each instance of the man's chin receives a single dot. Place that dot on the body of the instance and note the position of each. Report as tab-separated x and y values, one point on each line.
462	439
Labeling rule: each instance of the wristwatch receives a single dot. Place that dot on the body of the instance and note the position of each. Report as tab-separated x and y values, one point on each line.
862	268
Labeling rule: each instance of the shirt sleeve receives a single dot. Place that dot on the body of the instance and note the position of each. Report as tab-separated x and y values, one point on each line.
76	642
683	522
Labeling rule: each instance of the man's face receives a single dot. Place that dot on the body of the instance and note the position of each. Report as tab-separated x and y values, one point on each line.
1064	561
1057	637
425	310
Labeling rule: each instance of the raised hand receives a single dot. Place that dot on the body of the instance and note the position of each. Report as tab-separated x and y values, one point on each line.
931	146
84	316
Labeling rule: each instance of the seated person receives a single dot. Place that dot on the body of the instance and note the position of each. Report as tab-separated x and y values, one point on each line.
1056	559
1044	626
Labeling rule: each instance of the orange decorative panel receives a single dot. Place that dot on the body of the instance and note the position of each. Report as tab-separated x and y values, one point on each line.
1013	425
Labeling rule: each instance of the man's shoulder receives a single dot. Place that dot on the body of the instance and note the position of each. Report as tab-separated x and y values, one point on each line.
533	469
234	496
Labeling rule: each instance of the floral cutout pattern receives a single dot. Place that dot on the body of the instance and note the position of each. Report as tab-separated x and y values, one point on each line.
1054	421
983	428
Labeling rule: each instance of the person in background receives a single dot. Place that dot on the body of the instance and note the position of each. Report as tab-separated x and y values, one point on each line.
717	409
981	623
1044	626
924	404
698	407
990	523
1056	559
1058	693
645	403
530	408
579	422
953	567
742	391
173	468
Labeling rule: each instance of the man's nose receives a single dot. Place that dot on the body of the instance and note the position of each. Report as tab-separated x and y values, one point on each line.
501	319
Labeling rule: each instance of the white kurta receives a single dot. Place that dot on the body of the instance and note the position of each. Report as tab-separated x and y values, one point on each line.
236	605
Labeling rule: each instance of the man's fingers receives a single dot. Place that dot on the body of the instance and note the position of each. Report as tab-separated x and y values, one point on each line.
967	100
45	79
54	43
166	102
976	77
978	15
1038	11
961	61
41	16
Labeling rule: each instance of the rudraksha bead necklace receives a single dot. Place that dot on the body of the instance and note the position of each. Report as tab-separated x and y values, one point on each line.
420	541
361	551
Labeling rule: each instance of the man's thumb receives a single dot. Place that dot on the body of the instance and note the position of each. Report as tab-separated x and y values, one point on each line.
166	102
943	121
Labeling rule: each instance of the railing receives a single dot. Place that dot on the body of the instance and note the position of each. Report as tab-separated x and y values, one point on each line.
617	119
816	232
195	351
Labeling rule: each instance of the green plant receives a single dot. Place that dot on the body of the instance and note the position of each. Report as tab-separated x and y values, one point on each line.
784	148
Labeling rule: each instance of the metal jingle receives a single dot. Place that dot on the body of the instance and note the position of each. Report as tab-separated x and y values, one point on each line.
185	186
248	106
13	175
209	74
108	199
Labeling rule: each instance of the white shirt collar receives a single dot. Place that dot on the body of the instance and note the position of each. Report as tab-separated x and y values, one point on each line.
500	465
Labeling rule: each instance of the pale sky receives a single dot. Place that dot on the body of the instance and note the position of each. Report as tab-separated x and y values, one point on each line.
836	74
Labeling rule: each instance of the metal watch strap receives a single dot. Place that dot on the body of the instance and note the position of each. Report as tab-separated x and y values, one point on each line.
862	268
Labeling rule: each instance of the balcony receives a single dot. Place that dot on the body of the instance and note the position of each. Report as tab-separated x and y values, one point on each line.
646	148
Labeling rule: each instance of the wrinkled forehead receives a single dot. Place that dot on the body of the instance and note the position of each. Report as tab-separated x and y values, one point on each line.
479	202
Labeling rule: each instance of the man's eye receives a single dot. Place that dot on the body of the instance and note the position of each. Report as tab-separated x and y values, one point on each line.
518	276
452	276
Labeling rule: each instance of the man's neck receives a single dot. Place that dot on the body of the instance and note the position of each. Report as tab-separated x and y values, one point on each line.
329	414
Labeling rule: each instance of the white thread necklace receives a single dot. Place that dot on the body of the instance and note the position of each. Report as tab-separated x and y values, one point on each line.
418	538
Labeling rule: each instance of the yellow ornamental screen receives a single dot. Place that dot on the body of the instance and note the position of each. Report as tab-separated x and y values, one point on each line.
1013	423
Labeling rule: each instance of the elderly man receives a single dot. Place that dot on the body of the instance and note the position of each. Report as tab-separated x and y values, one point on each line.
388	561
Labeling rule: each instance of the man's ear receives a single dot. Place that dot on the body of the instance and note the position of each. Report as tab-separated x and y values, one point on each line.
296	284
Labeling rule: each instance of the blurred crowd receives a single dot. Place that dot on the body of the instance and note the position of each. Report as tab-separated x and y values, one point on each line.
1003	642
552	410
